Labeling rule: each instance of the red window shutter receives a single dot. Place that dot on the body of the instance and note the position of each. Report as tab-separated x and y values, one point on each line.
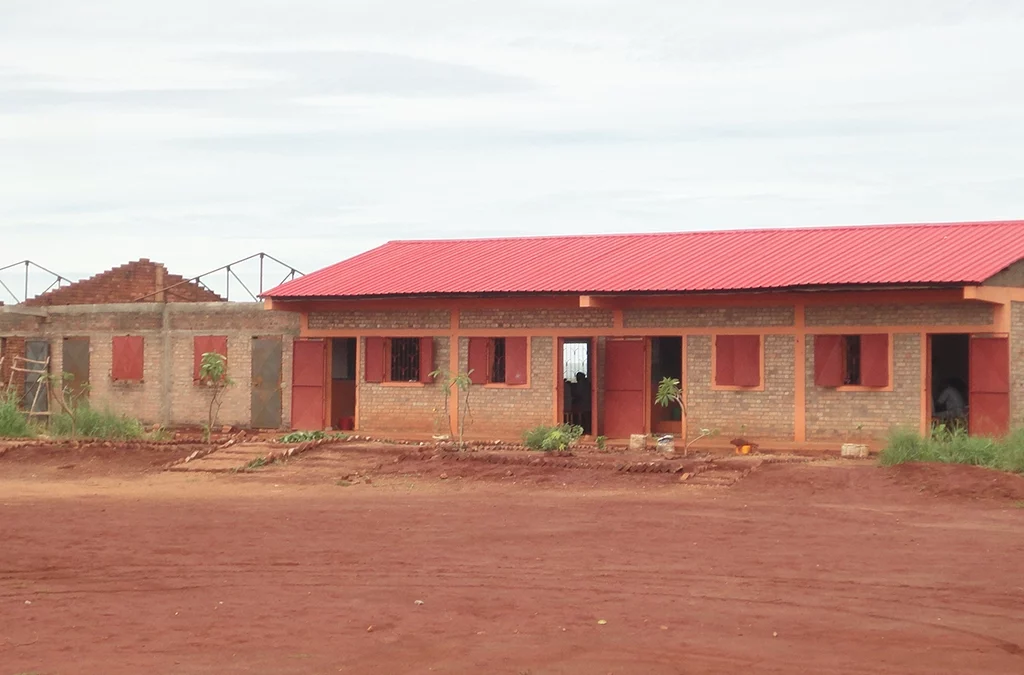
479	359
374	365
207	344
725	360
874	360
426	359
516	350
747	360
828	360
127	358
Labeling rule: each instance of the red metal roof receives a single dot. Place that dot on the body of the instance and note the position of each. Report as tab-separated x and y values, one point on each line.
735	260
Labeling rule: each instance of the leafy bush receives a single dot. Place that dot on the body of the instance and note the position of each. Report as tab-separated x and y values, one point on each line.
602	442
13	424
550	438
303	436
955	446
92	423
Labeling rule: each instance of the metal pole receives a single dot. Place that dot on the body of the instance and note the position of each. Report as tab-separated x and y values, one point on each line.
261	274
227	285
26	282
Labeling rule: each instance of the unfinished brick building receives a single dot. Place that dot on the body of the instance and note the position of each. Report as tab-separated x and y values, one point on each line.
132	338
796	335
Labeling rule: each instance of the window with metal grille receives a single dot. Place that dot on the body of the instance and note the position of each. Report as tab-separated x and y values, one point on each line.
405	360
498	360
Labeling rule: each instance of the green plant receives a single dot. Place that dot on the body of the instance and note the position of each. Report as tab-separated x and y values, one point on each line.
68	397
13	424
551	438
254	464
602	442
451	382
302	436
213	372
88	422
953	445
670	392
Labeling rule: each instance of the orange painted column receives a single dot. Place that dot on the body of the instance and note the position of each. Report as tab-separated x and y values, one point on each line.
453	366
799	376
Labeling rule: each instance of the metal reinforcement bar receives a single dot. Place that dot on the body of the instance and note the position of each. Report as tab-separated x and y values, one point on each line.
229	272
28	265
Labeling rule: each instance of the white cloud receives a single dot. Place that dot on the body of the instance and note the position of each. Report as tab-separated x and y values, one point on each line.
199	131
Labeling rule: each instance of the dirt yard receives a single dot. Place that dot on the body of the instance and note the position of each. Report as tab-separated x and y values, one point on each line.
360	561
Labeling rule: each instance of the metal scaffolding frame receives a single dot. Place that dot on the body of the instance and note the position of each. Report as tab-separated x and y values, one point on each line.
58	280
229	272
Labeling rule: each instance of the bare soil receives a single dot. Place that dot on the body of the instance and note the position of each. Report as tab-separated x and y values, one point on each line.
348	561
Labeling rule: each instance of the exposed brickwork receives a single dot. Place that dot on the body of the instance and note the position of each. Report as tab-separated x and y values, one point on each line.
706	317
535	318
960	314
833	414
1011	276
11	347
409	407
167	394
504	412
762	415
434	319
126	283
1017	365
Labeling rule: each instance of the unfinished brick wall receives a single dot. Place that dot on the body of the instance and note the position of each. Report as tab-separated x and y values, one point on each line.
761	415
535	318
11	347
127	283
410	407
707	317
499	412
959	314
834	415
432	319
1017	365
167	394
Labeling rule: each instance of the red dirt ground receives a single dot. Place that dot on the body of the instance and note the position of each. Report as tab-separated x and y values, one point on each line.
826	568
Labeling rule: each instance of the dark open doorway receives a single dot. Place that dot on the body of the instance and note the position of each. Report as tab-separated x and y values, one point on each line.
950	379
577	384
343	383
666	361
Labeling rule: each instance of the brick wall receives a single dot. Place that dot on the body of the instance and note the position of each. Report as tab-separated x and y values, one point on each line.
401	406
167	394
1011	276
505	412
11	347
436	319
126	283
706	317
1017	365
965	313
760	414
535	318
833	414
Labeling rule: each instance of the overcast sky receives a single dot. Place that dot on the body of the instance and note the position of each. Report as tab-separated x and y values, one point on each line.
195	132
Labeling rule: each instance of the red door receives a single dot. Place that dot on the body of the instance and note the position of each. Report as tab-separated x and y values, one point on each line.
989	398
625	363
308	374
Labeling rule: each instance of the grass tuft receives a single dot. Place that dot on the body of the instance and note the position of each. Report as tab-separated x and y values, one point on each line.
13	424
93	423
955	446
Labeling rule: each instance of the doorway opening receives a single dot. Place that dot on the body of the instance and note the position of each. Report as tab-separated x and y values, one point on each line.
343	383
950	379
577	384
666	361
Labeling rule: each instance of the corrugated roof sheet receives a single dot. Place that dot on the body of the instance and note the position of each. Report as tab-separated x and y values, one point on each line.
735	260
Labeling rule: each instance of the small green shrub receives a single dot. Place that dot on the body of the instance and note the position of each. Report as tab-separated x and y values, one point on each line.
93	423
303	436
955	446
602	442
551	438
13	424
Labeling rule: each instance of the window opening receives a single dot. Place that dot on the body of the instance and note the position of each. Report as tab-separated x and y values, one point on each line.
405	359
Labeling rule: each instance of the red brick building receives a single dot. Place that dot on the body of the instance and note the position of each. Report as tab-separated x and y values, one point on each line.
797	335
